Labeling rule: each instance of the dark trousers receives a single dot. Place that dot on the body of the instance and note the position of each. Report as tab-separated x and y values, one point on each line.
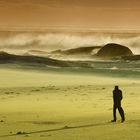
120	111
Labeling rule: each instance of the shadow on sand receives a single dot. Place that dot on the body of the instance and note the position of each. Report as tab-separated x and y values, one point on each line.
58	129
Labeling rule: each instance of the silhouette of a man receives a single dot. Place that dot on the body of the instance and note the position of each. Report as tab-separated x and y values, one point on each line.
117	97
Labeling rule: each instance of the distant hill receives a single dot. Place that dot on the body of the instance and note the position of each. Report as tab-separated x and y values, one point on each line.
6	58
56	52
132	58
37	53
77	51
114	50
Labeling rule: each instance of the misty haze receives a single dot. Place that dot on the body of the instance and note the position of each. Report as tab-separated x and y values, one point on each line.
18	42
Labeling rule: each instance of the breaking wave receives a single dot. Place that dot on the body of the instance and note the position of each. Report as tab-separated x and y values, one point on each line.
48	41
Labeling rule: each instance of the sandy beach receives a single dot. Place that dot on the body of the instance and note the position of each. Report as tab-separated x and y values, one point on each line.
39	105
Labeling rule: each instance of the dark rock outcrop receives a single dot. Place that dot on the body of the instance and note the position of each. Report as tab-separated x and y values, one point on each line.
114	50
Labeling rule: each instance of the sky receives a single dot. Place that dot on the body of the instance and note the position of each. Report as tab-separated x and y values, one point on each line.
70	14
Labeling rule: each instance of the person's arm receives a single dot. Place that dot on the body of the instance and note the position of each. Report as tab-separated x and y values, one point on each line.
121	96
113	96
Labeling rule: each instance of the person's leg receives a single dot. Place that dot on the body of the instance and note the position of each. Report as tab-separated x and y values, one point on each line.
121	113
114	113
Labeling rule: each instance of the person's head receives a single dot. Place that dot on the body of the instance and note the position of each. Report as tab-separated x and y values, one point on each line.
116	87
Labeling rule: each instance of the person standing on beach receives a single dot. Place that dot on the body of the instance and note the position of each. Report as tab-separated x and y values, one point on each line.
117	97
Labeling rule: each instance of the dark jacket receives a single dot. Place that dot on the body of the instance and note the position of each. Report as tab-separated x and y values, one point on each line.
117	97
